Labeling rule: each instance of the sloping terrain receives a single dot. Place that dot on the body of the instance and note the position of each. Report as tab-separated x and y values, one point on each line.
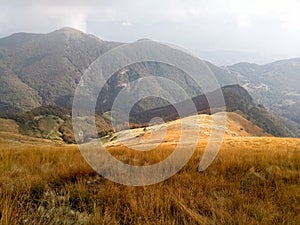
56	124
251	181
44	69
170	132
8	125
274	85
236	99
52	123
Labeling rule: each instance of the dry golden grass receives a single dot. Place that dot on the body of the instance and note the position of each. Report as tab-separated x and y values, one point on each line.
252	181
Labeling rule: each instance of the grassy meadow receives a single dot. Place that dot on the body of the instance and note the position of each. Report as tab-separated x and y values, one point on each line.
252	181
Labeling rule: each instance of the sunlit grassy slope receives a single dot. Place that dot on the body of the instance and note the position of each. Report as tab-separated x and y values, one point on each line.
252	181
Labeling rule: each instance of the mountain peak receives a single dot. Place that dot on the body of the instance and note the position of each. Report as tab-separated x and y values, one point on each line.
74	33
68	31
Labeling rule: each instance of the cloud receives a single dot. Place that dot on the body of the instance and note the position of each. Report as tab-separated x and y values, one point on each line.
66	18
126	24
267	26
286	13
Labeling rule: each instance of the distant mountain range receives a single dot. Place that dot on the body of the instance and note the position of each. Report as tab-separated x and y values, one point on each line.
275	85
38	71
221	58
237	100
44	69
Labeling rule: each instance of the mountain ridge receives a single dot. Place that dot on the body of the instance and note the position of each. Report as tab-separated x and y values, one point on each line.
42	70
274	85
50	66
238	100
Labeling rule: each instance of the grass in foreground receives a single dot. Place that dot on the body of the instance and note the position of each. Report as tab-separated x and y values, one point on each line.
252	181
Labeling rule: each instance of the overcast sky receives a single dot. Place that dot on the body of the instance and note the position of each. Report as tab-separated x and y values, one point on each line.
269	29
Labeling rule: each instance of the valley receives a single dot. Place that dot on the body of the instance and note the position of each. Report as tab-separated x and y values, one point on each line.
46	178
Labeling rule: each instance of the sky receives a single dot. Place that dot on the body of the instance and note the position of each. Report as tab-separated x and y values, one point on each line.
232	30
